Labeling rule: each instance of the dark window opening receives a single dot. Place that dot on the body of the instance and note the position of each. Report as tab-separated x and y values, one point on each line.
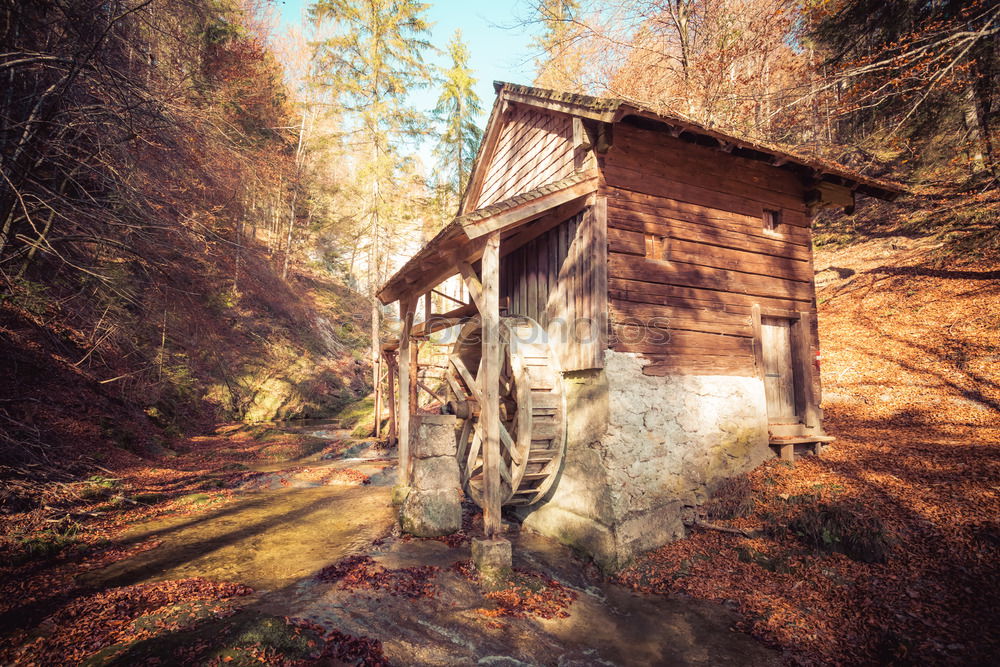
772	220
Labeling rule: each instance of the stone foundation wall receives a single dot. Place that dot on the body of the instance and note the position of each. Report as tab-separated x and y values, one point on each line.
642	451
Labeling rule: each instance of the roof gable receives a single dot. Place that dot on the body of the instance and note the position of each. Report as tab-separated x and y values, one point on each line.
612	110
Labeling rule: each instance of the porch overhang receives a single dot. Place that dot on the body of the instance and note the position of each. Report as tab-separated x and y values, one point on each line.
464	238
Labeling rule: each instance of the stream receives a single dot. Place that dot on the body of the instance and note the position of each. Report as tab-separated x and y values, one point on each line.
293	519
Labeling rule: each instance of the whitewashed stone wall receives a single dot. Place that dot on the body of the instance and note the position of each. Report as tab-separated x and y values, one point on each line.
642	451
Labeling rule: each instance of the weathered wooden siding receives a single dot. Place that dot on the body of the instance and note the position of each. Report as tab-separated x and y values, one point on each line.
534	148
556	279
703	210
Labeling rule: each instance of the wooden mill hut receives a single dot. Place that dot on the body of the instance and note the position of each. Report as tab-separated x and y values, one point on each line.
642	320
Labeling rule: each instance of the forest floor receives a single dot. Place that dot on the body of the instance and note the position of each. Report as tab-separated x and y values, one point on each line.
281	548
886	549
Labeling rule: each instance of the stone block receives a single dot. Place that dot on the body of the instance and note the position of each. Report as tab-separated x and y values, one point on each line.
436	472
492	557
431	513
433	435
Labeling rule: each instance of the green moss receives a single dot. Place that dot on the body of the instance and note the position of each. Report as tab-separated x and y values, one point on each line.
46	544
847	528
194	499
353	413
150	498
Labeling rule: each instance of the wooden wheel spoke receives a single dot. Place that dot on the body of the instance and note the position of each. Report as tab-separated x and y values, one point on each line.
463	439
474	447
530	406
463	372
504	469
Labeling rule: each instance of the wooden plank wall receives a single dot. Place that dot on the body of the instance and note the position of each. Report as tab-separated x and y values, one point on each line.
702	209
554	279
534	148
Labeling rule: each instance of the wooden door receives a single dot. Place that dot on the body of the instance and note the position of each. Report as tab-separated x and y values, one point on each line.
779	376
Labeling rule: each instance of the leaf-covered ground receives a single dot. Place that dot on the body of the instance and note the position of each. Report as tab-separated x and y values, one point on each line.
48	617
912	392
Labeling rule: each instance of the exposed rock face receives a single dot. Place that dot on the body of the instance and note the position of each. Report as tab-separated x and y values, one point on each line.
641	449
433	506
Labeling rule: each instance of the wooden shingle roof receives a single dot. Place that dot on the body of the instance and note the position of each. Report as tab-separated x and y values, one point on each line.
612	110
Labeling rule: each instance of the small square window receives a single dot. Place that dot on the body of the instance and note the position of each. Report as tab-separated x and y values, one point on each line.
772	221
658	247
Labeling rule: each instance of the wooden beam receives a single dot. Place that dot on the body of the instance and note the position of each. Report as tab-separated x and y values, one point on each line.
758	342
605	138
392	398
582	145
405	343
436	323
804	369
599	230
378	397
414	371
490	385
517	215
537	227
449	297
472	282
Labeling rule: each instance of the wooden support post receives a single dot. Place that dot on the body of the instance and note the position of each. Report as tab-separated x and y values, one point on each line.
805	368
788	452
391	395
599	292
489	384
378	397
406	308
758	341
414	374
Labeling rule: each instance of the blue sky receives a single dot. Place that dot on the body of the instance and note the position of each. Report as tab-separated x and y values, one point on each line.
496	52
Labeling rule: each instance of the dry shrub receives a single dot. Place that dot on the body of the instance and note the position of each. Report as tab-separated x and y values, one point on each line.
733	499
847	528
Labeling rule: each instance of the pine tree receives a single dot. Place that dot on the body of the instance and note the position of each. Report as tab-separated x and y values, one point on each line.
458	109
373	60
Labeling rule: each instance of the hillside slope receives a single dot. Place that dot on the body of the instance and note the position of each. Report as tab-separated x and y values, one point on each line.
85	388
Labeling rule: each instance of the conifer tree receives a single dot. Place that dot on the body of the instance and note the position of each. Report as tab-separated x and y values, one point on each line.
458	108
372	61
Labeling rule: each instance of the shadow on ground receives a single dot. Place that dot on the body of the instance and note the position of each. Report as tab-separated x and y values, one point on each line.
277	541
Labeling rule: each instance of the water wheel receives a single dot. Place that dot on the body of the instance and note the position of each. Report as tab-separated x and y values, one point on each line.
532	412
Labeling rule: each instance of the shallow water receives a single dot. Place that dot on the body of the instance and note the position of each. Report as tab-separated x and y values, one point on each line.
276	540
